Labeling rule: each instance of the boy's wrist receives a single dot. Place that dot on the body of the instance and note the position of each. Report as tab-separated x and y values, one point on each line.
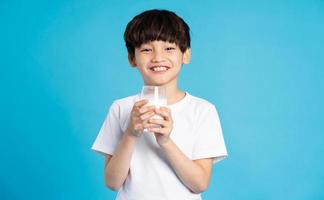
133	133
165	144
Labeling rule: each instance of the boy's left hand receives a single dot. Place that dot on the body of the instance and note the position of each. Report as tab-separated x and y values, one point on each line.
162	133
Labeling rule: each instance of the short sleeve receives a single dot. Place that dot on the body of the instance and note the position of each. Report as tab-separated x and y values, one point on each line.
110	132
209	140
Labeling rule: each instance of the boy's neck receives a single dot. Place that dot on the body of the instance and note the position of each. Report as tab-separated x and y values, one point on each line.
174	95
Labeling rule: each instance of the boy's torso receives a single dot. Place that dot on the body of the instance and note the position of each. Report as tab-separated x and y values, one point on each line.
151	176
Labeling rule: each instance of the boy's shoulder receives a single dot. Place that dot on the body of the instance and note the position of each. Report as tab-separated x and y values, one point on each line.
200	107
200	102
125	102
126	99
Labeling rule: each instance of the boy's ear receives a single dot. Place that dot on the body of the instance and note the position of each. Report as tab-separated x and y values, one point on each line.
186	56
131	60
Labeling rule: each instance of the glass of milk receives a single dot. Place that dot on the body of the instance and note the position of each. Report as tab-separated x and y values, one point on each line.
156	95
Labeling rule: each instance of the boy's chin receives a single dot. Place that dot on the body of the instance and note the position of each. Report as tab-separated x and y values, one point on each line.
159	82
155	84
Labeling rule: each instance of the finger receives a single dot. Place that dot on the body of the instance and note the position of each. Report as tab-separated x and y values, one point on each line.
145	109
141	103
160	130
160	122
164	113
166	109
147	115
147	125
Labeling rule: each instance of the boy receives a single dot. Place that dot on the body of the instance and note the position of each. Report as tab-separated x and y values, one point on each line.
173	162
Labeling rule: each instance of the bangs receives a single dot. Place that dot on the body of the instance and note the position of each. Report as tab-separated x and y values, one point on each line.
156	28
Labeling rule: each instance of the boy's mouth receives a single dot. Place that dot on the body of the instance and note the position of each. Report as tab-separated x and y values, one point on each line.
159	68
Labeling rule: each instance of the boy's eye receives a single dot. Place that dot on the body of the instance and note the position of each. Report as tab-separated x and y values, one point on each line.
145	50
170	48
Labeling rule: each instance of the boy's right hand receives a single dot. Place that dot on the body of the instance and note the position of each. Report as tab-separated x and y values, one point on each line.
139	117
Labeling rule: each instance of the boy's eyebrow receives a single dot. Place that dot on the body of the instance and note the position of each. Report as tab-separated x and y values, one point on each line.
144	45
171	44
166	44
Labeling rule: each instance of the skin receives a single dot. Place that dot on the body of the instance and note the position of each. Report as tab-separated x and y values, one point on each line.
195	174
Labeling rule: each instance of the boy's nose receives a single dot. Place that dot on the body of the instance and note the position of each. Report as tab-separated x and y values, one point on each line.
157	57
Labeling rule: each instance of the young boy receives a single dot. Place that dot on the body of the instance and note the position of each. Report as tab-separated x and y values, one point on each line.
173	162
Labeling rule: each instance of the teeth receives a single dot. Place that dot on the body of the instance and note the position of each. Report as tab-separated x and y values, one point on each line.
158	69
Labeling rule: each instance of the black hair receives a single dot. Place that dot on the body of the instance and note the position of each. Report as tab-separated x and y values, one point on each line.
154	25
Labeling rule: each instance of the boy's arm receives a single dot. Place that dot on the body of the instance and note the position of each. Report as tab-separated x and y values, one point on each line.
117	166
194	174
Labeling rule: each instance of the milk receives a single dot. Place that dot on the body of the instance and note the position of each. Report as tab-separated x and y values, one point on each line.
156	96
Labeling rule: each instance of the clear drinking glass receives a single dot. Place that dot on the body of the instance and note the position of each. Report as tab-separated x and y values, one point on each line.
156	95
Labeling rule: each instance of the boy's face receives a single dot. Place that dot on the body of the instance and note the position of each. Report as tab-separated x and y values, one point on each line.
159	62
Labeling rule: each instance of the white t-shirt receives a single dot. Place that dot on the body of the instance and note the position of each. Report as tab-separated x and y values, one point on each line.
196	131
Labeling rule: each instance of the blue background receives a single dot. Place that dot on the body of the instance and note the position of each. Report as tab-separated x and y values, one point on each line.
260	62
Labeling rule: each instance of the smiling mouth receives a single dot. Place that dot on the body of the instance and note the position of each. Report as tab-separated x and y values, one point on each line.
159	68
